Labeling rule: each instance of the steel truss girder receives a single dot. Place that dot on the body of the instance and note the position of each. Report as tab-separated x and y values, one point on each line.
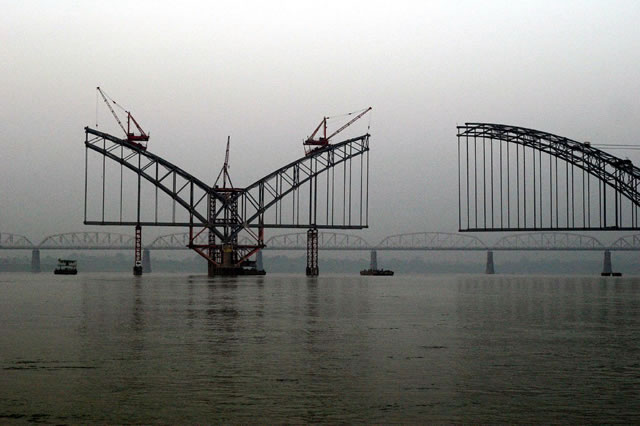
150	159
537	241
252	201
326	241
548	241
88	241
255	199
14	241
431	241
624	176
628	242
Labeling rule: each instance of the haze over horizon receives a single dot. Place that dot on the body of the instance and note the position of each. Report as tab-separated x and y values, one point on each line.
266	74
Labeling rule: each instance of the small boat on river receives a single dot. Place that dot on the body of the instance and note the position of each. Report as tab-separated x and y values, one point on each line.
377	272
66	267
373	267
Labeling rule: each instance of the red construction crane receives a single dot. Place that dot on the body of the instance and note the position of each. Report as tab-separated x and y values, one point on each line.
224	172
131	136
312	144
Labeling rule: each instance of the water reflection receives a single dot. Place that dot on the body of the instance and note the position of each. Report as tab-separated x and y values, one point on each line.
287	349
548	333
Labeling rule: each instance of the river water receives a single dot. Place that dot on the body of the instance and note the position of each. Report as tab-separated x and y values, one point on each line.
162	348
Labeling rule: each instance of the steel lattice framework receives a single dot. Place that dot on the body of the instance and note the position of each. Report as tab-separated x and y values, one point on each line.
88	241
431	241
326	189
14	241
510	180
548	241
254	200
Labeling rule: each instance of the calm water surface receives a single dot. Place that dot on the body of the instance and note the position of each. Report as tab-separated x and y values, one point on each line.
105	348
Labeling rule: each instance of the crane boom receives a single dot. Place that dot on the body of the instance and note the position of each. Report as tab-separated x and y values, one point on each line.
106	101
354	119
323	140
224	172
131	136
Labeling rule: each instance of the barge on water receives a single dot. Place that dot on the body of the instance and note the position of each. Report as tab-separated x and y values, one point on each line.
66	267
373	267
377	272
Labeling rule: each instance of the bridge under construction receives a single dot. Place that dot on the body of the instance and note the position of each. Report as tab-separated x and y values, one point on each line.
327	188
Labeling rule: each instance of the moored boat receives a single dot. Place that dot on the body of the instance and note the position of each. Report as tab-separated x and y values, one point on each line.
66	267
373	267
377	272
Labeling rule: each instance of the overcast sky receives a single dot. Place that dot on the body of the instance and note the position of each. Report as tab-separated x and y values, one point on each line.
267	72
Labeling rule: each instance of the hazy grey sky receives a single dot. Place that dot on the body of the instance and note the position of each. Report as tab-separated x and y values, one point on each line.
267	72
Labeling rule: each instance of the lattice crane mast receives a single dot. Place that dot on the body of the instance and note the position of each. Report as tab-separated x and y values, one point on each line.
131	136
224	172
312	144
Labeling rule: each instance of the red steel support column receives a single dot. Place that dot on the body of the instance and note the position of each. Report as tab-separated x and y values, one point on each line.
312	253
137	266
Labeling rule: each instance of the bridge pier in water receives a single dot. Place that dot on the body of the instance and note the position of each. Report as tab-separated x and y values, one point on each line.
607	269
606	264
259	262
312	253
489	269
137	265
35	260
146	261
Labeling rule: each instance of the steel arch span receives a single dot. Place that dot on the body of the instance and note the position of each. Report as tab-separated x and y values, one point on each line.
10	241
628	242
518	179
431	241
267	193
548	241
325	189
88	241
326	241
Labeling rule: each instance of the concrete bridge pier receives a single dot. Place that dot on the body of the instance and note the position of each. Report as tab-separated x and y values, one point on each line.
607	269
146	261
35	260
259	262
606	264
489	269
373	263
